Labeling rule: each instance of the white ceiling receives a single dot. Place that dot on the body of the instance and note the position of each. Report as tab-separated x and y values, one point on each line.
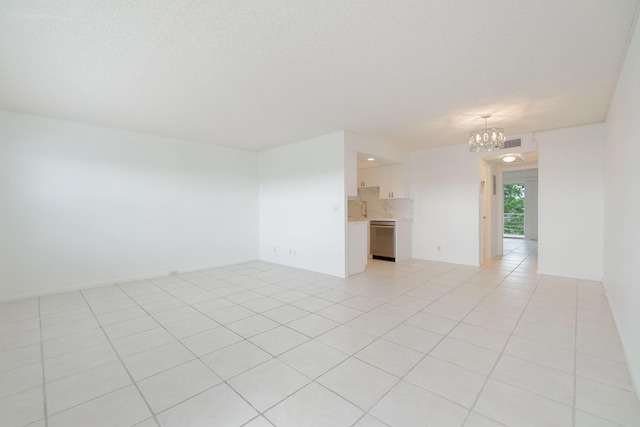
256	74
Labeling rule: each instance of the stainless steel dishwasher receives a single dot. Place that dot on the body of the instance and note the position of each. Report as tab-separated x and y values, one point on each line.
383	240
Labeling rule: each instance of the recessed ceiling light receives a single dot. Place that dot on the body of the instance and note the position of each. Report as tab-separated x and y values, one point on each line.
371	159
508	159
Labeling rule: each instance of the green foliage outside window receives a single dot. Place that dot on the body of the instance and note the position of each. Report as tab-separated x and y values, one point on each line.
514	209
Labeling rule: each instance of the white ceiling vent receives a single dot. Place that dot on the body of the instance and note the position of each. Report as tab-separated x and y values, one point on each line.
510	143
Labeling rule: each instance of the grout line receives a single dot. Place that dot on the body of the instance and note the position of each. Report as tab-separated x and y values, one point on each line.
135	384
378	281
488	376
575	358
44	385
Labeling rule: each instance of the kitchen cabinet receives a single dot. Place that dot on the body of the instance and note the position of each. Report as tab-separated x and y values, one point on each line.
394	184
369	177
403	240
357	246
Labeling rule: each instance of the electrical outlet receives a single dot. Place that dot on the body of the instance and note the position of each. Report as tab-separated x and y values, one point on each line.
438	248
295	252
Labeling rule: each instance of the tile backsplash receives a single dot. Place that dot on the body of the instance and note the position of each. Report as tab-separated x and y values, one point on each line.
379	208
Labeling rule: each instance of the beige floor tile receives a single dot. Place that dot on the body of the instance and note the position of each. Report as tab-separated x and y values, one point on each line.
69	328
477	359
121	407
285	313
176	315
409	405
65	316
314	406
414	338
313	358
605	348
477	420
386	338
482	337
150	362
513	406
258	422
87	385
20	356
177	384
267	384
73	363
235	359
491	321
610	403
20	379
130	327
211	340
312	325
584	419
252	325
312	304
535	378
452	382
143	341
390	357
191	326
120	316
358	382
369	421
149	422
346	339
605	371
277	341
7	328
262	304
543	354
340	313
230	314
429	322
447	311
22	408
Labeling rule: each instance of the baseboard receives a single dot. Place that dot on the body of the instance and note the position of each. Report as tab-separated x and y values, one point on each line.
119	280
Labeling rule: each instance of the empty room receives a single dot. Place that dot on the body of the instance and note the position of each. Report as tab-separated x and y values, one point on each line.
319	213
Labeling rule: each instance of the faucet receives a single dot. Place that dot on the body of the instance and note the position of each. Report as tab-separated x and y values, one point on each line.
363	208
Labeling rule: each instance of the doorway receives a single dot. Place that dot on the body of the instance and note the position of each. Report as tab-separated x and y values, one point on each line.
494	174
520	203
513	210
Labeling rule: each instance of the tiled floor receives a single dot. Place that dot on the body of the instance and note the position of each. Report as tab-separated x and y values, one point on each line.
410	344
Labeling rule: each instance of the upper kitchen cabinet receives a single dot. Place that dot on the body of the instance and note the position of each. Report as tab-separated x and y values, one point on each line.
369	177
394	182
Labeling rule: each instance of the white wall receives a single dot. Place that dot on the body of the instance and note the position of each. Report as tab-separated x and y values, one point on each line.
84	204
302	205
571	201
622	206
446	205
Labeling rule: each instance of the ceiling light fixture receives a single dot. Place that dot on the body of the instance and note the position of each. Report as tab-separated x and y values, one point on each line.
486	139
371	159
508	159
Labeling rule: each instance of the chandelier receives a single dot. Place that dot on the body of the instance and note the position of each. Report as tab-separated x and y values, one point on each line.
486	139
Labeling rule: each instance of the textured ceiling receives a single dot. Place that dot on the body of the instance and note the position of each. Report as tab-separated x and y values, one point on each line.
256	73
